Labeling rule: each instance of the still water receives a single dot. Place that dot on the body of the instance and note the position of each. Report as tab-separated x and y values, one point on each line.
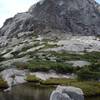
28	92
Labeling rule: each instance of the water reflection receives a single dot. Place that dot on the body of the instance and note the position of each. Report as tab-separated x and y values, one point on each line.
28	92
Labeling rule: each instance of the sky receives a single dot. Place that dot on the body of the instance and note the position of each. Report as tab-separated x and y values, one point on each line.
8	8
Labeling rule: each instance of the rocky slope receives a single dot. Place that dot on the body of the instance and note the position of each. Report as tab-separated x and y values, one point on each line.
67	16
29	46
48	27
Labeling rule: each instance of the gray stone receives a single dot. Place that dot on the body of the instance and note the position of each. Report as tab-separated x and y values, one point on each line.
67	93
14	76
8	55
79	63
56	95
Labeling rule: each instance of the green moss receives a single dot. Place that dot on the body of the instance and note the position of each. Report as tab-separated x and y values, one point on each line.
58	81
32	78
47	45
3	84
89	88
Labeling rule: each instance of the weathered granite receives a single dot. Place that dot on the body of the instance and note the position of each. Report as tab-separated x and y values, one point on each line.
67	93
14	76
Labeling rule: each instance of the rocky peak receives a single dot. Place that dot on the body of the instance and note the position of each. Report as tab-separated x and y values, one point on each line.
68	16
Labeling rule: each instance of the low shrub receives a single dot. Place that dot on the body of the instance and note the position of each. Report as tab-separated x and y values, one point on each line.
87	73
41	65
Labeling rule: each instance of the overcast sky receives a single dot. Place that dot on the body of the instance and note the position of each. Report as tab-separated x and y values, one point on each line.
9	8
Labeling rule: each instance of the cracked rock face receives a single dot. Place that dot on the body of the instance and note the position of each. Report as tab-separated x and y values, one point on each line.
69	16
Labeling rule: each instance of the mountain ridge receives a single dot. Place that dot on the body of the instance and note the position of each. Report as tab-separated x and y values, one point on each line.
67	16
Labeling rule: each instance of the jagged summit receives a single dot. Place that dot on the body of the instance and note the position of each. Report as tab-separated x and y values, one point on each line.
74	16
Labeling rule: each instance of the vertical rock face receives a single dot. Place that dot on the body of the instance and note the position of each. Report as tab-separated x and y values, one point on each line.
74	16
67	93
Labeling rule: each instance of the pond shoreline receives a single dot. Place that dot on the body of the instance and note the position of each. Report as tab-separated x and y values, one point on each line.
34	87
41	79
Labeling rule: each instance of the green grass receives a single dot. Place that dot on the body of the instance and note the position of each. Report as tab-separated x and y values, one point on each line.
50	45
90	56
41	65
90	88
66	56
88	75
58	81
90	72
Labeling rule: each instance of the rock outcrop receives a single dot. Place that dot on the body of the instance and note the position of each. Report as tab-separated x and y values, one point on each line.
14	76
67	93
68	16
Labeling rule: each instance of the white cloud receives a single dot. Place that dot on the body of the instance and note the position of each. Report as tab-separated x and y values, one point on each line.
9	8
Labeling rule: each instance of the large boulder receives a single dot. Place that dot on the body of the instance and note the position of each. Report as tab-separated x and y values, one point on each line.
67	93
14	76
